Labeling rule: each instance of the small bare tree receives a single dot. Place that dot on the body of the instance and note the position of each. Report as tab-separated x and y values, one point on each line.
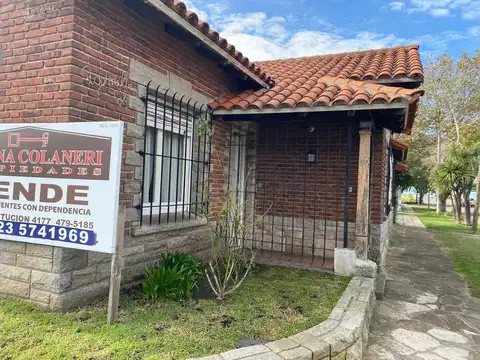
232	255
231	259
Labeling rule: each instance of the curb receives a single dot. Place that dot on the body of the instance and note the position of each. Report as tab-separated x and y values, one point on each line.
342	336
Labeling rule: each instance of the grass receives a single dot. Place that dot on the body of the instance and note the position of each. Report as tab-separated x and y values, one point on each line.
464	250
408	198
443	222
273	303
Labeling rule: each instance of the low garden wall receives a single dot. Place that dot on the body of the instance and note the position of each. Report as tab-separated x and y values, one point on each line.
380	241
343	336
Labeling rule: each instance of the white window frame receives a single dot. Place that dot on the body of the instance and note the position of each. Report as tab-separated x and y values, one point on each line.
155	208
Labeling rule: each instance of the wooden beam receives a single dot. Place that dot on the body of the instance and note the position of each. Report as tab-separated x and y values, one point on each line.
363	195
116	270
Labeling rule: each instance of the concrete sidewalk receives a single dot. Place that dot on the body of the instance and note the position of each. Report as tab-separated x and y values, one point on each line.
427	313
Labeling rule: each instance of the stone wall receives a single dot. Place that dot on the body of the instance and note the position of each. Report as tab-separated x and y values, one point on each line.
380	236
303	234
344	335
64	278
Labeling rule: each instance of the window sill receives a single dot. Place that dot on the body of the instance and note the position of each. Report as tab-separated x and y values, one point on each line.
152	229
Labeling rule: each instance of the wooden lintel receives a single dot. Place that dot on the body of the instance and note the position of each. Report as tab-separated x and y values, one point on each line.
363	196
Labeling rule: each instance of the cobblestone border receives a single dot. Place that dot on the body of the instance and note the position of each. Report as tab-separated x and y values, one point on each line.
342	336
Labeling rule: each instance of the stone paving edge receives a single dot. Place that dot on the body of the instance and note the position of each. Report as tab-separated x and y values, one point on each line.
344	335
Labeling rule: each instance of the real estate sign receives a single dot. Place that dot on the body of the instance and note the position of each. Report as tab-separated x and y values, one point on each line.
59	184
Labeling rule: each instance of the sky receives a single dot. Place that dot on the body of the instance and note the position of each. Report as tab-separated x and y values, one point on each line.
273	29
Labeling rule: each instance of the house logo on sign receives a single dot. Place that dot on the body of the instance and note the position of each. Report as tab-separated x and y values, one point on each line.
14	139
34	152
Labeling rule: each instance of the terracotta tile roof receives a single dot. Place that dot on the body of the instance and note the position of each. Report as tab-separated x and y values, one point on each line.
401	168
313	91
202	26
326	80
331	80
391	63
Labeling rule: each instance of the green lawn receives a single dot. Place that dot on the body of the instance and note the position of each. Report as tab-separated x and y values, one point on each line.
462	247
464	250
273	303
444	222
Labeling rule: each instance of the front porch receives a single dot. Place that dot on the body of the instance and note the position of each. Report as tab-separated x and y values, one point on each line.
296	178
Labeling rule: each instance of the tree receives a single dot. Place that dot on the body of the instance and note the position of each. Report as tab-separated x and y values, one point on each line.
416	177
477	190
419	173
456	175
449	111
453	94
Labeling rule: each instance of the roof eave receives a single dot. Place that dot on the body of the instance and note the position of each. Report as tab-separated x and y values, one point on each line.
177	19
410	115
359	107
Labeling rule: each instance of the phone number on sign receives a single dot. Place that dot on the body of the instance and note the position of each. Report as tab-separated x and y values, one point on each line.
48	232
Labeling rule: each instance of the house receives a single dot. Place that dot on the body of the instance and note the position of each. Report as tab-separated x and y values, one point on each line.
305	144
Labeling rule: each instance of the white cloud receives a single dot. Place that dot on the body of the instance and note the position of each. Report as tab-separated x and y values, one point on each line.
440	12
474	31
472	11
308	43
252	23
202	15
468	9
325	25
397	5
262	37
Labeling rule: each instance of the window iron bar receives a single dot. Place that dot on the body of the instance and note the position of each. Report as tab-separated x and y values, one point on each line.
172	161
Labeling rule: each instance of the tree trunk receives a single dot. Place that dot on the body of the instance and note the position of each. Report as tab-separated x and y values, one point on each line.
420	198
441	203
454	206
466	200
458	208
477	205
441	198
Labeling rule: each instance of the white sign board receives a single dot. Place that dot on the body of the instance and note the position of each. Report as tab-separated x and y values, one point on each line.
59	184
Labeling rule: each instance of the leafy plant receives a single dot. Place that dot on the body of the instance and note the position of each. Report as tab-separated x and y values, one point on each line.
176	277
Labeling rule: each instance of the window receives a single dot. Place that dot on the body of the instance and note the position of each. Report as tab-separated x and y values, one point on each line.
167	171
176	172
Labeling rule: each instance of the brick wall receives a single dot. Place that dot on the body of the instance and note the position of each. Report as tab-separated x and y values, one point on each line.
221	133
36	66
379	175
381	222
108	36
295	197
288	185
79	61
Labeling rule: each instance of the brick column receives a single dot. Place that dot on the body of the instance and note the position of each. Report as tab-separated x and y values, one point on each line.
363	193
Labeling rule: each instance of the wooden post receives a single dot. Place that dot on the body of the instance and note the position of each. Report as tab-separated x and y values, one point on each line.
363	192
116	269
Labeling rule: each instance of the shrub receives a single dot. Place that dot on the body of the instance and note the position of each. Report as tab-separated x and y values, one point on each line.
175	277
232	259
